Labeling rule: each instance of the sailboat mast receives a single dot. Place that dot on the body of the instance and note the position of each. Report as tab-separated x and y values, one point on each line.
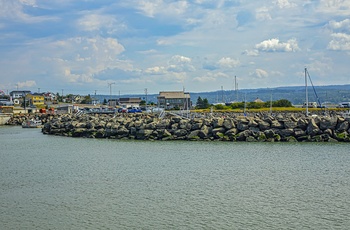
306	94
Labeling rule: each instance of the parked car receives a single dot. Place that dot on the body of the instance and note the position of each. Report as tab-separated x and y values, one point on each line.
122	110
157	110
134	110
344	105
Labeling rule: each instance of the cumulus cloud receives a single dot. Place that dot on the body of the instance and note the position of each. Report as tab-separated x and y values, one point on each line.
180	64
227	62
340	7
14	10
340	41
81	59
96	22
262	14
159	7
340	26
284	4
210	77
274	45
156	70
259	73
252	53
26	84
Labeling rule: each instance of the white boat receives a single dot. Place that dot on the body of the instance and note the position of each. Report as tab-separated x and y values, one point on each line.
32	123
4	118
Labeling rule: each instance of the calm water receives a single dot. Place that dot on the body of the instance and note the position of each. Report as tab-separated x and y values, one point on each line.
49	182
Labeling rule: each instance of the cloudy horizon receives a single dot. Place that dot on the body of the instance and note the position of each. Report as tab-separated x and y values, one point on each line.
86	46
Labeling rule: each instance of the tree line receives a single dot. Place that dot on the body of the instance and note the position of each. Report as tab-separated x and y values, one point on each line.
204	104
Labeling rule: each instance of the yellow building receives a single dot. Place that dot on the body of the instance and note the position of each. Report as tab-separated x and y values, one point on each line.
35	99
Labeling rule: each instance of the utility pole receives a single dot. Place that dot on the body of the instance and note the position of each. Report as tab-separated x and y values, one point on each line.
236	88
146	97
222	94
110	89
38	90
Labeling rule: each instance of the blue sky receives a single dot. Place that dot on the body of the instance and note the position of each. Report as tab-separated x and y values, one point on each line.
83	46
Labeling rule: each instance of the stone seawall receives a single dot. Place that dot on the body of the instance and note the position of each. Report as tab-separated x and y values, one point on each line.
286	127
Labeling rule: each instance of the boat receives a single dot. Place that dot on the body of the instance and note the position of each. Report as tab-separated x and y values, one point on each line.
308	104
32	123
4	118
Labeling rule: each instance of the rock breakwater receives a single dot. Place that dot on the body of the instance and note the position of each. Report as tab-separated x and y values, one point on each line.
219	127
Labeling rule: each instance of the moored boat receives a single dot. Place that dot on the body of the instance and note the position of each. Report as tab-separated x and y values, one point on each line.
32	123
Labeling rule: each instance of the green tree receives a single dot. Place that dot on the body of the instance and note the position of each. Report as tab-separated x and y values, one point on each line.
206	104
282	103
202	103
199	103
87	100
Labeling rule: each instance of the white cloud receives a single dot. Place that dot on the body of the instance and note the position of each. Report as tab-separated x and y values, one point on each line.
177	59
284	4
159	7
260	73
339	7
252	53
81	59
14	10
96	22
156	70
274	45
262	14
228	63
26	84
210	77
340	26
340	41
180	64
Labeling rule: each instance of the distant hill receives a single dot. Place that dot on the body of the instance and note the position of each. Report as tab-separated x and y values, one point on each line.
295	94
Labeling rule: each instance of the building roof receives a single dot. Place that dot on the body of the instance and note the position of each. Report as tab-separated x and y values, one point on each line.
174	94
130	100
20	91
258	100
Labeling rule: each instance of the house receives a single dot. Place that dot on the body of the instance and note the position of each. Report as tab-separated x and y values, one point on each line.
19	93
35	99
258	100
77	99
113	102
95	101
174	99
130	102
50	98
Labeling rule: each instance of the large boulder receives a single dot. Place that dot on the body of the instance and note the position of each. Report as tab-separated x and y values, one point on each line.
328	123
312	128
228	124
263	125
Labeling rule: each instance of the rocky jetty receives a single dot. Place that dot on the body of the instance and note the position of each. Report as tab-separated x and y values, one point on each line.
288	127
18	119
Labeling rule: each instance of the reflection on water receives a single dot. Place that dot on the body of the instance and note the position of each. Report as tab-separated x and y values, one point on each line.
50	182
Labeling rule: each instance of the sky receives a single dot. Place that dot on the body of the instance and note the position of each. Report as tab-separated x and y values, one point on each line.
127	47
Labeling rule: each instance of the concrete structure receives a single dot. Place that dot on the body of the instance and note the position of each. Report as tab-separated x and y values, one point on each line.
65	109
174	99
130	102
